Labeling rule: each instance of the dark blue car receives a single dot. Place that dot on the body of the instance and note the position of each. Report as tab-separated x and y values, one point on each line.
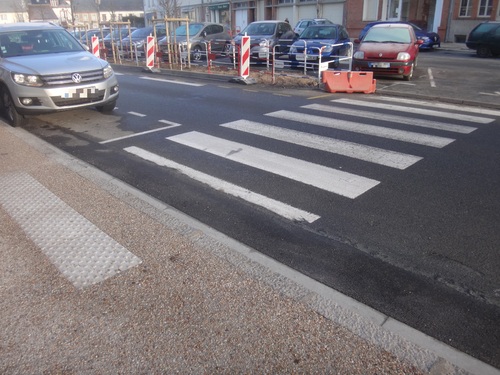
430	39
332	40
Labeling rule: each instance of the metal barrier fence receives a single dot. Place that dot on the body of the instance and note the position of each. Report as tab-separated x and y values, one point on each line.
183	54
311	58
281	60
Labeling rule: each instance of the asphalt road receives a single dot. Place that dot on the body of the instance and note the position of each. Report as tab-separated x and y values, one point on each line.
419	245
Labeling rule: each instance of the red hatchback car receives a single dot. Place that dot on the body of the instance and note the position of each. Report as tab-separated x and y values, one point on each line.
388	49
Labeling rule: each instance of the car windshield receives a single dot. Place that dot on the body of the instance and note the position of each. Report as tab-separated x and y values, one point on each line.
388	35
193	29
35	42
118	33
319	33
260	29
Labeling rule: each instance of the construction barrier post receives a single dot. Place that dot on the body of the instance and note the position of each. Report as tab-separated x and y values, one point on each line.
150	54
244	63
95	46
245	57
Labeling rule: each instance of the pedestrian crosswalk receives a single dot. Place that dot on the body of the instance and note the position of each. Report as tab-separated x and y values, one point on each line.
407	122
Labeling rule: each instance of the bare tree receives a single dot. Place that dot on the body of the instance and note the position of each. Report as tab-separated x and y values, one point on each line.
169	8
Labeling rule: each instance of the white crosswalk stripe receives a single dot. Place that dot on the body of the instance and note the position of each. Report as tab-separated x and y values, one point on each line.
453	107
415	110
273	205
329	179
356	127
354	150
367	113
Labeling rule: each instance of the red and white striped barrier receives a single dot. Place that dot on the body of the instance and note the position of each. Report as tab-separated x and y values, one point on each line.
95	46
245	57
150	52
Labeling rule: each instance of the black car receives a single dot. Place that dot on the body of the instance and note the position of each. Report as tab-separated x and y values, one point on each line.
485	39
116	36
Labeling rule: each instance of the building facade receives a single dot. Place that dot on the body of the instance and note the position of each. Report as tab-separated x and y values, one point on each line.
451	19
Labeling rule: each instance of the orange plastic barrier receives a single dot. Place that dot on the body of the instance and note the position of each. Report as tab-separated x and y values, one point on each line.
349	82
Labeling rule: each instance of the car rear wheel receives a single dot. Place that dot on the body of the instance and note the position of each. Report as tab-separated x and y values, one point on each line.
14	118
409	75
483	51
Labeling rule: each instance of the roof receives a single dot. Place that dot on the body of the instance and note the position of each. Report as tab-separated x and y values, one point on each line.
41	13
10	6
82	6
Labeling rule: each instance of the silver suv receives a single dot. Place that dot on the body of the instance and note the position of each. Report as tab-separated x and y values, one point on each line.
43	69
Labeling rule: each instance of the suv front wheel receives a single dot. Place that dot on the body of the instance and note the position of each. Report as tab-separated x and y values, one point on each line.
13	117
106	108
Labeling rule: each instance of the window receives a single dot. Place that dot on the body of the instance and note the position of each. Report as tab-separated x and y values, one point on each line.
370	10
485	8
465	8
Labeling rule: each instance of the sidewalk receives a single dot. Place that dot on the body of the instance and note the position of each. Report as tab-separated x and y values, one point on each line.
97	277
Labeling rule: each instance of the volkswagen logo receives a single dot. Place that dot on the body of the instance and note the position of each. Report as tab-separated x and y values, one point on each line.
379	55
76	77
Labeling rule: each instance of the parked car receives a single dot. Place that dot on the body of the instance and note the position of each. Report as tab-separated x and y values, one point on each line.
139	39
117	36
264	35
86	37
485	39
200	33
44	69
388	49
430	39
304	23
320	37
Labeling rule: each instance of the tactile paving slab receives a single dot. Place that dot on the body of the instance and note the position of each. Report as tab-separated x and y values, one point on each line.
83	253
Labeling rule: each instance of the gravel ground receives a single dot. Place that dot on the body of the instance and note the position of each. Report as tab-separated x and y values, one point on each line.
192	306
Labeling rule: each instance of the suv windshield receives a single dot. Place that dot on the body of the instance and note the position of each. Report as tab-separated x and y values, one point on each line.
35	42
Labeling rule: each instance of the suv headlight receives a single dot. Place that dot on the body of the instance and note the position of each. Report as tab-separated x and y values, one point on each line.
107	71
27	79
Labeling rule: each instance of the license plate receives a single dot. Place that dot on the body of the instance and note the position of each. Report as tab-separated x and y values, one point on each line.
79	93
380	65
